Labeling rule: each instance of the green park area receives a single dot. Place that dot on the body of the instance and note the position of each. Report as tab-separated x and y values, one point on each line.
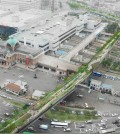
66	113
20	117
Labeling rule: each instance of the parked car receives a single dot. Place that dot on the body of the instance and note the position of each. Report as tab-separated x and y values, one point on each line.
80	95
7	114
31	128
67	130
89	122
86	105
82	126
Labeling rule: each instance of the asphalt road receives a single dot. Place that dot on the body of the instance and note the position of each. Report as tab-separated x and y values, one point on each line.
75	127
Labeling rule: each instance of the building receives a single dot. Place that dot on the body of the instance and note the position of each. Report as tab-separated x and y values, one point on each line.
17	88
106	88
12	52
95	84
51	33
37	94
102	87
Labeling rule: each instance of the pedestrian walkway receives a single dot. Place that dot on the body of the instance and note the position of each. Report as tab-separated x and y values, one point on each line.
30	68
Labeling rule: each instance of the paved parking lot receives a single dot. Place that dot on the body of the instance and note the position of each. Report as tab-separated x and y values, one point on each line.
44	81
92	100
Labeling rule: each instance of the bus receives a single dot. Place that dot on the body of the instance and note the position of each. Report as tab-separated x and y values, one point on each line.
97	74
59	124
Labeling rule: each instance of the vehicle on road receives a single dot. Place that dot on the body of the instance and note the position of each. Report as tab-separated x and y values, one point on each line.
60	124
44	126
103	120
86	105
7	114
97	74
119	117
67	130
31	128
107	131
80	95
54	120
82	126
115	122
101	124
89	122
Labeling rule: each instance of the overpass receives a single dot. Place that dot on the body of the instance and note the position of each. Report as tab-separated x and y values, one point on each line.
69	87
84	43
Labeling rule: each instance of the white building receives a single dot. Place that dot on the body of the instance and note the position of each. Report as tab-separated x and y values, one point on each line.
51	33
95	84
37	94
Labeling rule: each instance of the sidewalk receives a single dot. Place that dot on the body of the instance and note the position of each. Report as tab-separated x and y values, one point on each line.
30	68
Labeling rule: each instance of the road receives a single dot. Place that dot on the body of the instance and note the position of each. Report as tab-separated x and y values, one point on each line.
80	77
75	126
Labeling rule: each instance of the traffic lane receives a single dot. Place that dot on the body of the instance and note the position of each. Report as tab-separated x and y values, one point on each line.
75	127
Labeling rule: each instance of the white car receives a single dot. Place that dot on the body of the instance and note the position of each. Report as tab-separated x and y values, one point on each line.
68	122
80	95
119	117
86	105
102	128
67	130
103	120
114	114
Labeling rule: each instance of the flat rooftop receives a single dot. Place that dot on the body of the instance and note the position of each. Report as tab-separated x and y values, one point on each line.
50	30
53	62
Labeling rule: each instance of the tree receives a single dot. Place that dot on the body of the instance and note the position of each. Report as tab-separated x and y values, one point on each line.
112	28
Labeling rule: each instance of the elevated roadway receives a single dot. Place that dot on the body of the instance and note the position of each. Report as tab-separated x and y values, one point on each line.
70	86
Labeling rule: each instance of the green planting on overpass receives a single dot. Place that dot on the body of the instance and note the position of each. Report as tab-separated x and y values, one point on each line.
62	90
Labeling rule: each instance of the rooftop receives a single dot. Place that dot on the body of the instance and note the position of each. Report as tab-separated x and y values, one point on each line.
96	82
106	86
38	93
50	30
54	62
13	87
